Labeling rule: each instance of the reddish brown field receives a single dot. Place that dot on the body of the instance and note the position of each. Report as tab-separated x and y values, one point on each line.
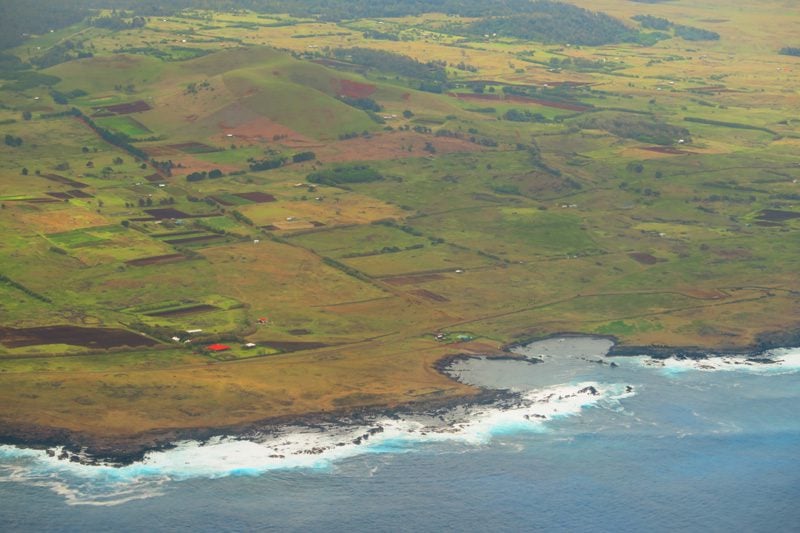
166	212
261	130
353	89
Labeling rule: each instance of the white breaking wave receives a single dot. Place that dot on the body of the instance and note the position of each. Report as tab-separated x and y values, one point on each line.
778	361
298	447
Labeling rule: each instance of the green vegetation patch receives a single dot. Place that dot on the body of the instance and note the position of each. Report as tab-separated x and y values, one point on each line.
126	125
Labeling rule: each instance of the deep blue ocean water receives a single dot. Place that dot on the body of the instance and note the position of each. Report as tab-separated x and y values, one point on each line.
681	446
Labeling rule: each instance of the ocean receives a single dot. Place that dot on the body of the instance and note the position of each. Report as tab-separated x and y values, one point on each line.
638	445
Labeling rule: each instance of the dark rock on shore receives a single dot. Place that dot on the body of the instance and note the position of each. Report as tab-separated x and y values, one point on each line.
764	342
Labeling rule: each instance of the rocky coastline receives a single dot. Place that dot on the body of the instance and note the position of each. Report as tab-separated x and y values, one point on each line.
124	450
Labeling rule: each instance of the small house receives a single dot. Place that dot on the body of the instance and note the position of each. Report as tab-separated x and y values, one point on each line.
218	347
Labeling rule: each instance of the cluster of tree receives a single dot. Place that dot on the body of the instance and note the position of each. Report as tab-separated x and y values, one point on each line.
345	175
392	63
464	66
325	9
380	35
17	19
561	93
266	164
118	21
790	51
352	135
689	33
581	63
201	175
389	223
638	128
12	141
19	286
653	23
21	80
524	115
64	98
10	63
539	19
303	156
556	22
164	167
61	53
367	104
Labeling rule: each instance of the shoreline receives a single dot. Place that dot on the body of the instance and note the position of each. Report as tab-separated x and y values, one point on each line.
122	451
87	449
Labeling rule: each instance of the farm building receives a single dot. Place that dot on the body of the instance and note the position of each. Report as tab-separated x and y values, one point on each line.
218	347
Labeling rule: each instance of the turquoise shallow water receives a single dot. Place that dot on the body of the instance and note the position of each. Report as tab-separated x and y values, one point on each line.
640	446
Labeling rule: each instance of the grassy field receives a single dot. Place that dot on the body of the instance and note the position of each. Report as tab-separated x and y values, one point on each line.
645	192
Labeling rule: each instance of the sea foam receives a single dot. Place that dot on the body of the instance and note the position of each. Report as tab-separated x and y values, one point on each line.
778	361
300	447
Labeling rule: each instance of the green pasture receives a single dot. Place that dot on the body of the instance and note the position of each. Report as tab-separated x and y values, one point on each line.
366	239
124	124
443	257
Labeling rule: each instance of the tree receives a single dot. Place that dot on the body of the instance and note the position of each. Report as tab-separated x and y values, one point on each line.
27	115
303	156
24	171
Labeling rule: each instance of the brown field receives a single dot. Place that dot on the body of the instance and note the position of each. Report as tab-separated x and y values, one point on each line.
60	195
353	89
424	293
292	346
257	197
123	109
665	150
198	239
64	181
643	258
156	260
775	215
413	280
193	147
200	308
166	212
77	336
237	124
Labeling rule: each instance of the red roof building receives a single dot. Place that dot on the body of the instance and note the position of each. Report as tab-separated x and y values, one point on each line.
218	347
